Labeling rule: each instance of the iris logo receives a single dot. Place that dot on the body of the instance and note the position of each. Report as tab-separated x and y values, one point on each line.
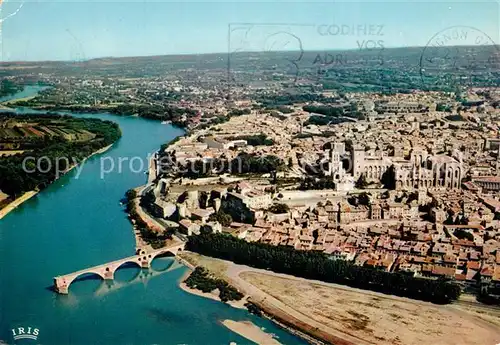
25	333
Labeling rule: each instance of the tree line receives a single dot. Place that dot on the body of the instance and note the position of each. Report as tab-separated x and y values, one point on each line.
201	280
9	87
17	180
156	112
317	265
316	183
244	163
255	140
150	236
275	101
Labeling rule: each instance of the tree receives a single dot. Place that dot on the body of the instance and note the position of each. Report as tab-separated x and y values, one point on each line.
15	179
221	217
8	87
279	208
348	145
255	140
238	211
316	183
364	199
203	198
318	265
462	234
361	182
449	220
389	178
205	230
201	280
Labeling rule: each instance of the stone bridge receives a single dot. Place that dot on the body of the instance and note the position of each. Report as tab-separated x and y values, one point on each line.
142	277
107	271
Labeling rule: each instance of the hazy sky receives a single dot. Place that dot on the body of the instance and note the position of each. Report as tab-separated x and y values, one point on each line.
70	30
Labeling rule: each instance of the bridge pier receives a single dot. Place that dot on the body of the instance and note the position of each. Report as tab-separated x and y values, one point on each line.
61	286
63	291
109	274
145	260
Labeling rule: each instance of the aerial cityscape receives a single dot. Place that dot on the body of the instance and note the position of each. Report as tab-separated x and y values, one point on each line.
242	180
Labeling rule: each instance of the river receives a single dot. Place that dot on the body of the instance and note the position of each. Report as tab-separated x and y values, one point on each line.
29	91
78	222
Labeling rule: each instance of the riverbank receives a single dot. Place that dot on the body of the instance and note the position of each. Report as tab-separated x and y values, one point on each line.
28	195
362	317
328	313
187	259
3	107
113	109
139	241
14	204
23	99
222	269
250	331
104	149
214	295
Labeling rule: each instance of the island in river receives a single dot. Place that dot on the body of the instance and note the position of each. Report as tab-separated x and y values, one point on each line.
78	222
9	88
35	150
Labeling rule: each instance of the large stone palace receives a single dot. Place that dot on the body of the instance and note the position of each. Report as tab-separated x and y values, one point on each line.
419	170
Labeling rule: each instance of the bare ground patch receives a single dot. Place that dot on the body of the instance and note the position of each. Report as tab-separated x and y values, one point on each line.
216	267
381	320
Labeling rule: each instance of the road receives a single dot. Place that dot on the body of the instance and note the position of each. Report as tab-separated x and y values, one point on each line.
262	298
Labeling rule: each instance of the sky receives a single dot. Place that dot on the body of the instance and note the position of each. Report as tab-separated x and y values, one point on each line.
77	30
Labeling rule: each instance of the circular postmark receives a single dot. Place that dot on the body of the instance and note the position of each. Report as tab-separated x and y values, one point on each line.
289	47
459	56
273	50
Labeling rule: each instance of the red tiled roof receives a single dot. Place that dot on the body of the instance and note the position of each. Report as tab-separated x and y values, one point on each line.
475	265
487	271
496	275
494	179
427	268
443	271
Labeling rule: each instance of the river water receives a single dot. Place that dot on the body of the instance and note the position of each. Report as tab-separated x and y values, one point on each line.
78	222
29	90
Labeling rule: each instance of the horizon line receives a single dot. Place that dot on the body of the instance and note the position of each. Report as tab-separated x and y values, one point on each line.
238	52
